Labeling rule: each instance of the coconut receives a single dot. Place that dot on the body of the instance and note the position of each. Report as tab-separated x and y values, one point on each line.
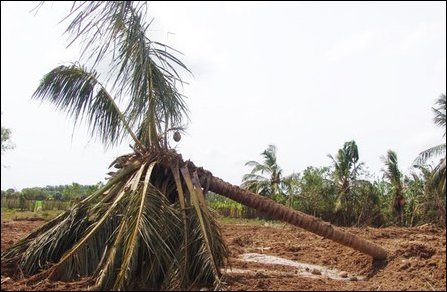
177	136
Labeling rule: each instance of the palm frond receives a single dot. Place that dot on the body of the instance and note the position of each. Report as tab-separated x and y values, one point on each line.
440	112
345	162
439	177
270	155
440	120
334	161
182	271
33	256
106	271
263	187
253	177
49	246
252	163
80	235
93	238
200	271
23	244
142	69
211	243
149	245
351	150
392	172
425	155
79	93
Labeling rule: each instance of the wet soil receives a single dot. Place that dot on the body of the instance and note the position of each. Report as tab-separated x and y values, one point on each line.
275	257
417	259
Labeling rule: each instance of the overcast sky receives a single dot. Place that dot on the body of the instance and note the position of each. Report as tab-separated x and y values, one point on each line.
304	76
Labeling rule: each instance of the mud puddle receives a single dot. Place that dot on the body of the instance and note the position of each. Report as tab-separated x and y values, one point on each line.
302	269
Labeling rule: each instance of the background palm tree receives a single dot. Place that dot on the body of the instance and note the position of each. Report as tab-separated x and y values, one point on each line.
266	178
440	120
436	182
149	227
439	173
394	177
425	203
292	186
346	169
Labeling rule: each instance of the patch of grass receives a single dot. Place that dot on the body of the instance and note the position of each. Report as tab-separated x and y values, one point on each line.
17	214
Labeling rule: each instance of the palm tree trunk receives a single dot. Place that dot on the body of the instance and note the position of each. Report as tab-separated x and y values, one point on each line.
279	212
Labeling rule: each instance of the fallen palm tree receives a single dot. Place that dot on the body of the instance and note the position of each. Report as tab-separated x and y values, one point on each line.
149	227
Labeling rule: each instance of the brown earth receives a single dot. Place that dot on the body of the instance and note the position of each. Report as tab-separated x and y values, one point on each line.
417	259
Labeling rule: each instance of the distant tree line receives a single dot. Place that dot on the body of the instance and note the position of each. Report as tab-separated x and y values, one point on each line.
349	197
71	192
49	198
316	191
344	193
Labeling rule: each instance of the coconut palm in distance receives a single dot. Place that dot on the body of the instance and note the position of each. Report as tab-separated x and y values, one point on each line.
439	173
291	184
394	177
149	226
440	120
265	178
436	181
345	174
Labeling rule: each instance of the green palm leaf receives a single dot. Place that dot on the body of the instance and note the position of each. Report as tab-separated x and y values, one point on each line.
440	120
440	112
79	93
439	177
211	249
149	245
141	69
392	172
425	155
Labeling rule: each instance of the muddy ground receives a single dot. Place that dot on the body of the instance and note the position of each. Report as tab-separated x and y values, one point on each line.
417	259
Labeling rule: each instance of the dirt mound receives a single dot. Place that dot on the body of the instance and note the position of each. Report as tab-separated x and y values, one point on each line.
414	249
